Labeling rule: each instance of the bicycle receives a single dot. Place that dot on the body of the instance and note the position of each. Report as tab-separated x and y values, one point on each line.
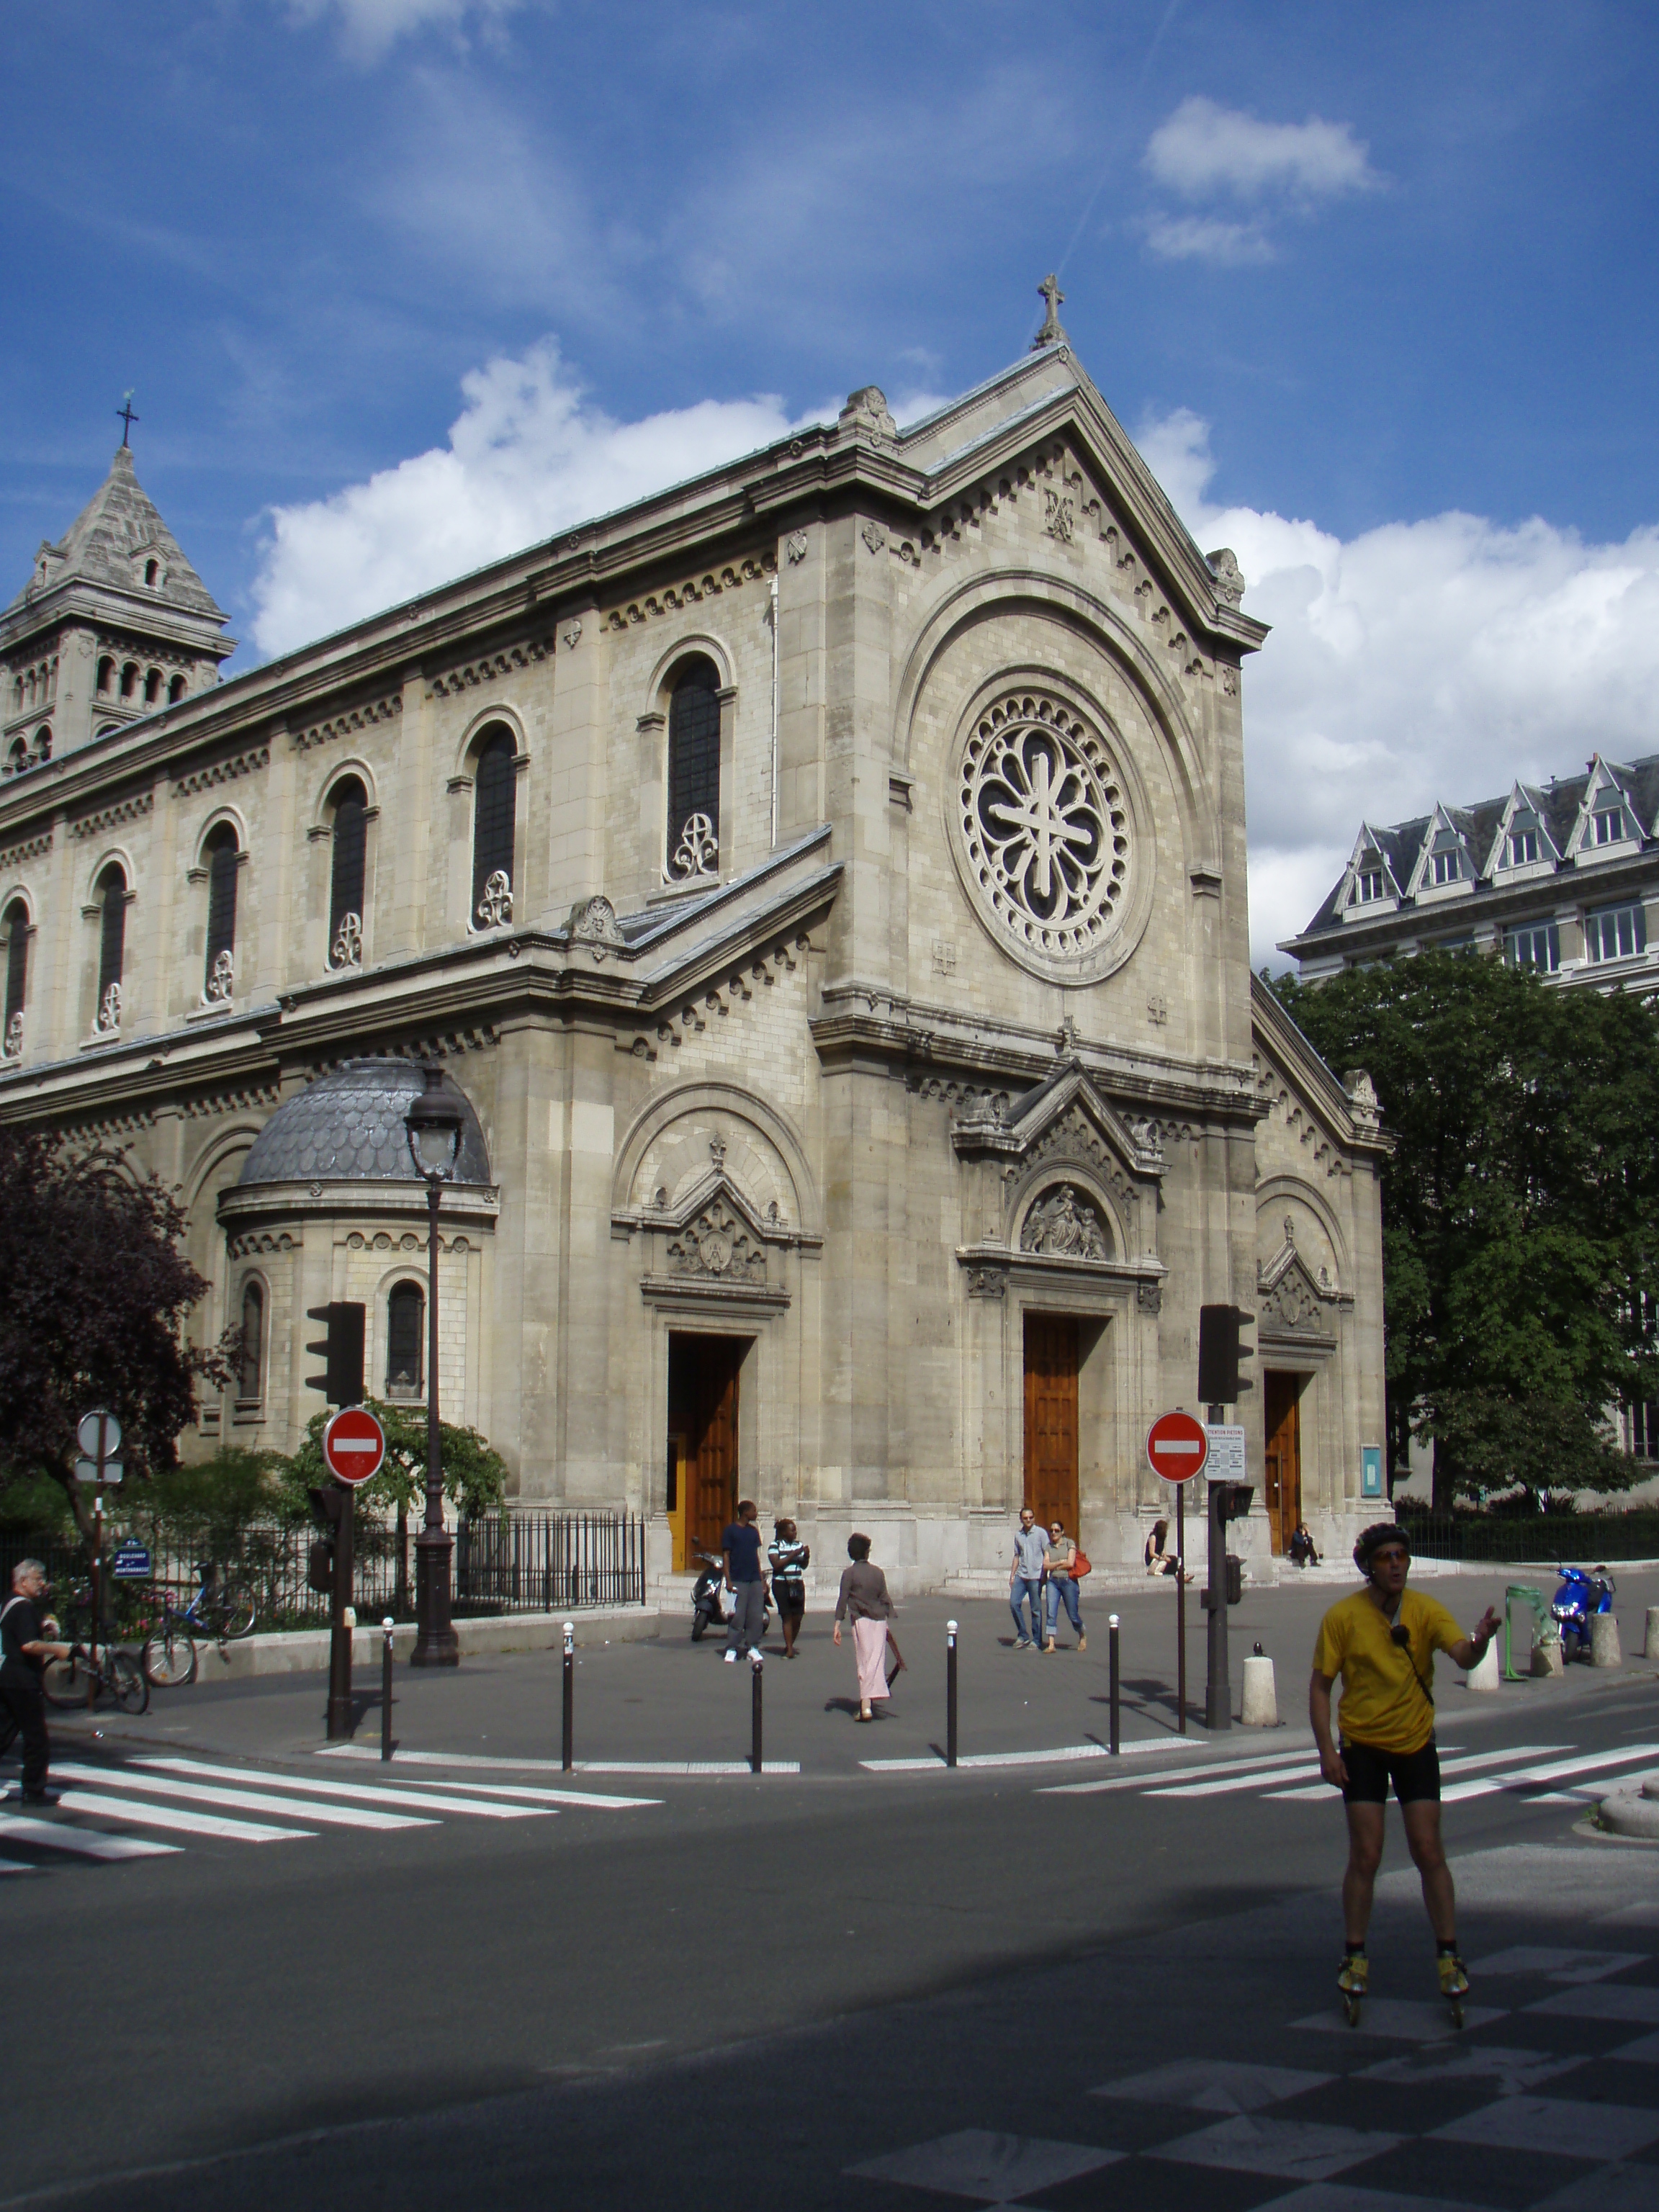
224	1611
66	1682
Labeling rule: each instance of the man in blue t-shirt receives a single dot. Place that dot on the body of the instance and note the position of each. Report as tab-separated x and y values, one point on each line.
745	1581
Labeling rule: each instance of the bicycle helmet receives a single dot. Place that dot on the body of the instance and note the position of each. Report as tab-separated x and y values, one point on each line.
1372	1539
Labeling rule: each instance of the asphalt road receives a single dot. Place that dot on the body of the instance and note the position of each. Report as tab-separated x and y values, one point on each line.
759	1983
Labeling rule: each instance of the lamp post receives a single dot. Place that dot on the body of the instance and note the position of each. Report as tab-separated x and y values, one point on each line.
433	1125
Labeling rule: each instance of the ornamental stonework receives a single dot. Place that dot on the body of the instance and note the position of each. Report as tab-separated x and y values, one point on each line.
718	1244
1041	831
1061	1227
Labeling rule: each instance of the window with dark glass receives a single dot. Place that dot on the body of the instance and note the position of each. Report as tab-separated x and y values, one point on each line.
1618	932
1644	1431
346	887
1609	825
1368	883
17	963
112	933
1448	866
405	1338
694	772
222	864
251	1365
493	800
1523	840
1534	945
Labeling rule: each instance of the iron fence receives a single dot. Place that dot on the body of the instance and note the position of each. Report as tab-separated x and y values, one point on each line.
1568	1539
536	1562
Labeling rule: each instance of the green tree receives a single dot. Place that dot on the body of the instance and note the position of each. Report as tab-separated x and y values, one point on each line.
1520	1210
474	1473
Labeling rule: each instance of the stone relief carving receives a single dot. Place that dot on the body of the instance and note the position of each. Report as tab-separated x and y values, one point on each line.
1060	1227
1043	817
347	950
1157	1010
222	983
1058	519
1229	577
875	536
495	907
1293	1305
1149	1297
13	1046
109	1011
986	1282
795	546
1366	1107
698	851
718	1243
572	634
867	411
594	922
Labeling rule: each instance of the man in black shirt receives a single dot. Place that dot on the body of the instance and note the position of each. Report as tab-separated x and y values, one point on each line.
26	1650
745	1578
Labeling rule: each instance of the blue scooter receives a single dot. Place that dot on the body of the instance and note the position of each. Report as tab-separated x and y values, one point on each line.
1580	1594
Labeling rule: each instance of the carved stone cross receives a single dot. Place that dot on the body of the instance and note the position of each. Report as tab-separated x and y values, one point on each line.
1051	333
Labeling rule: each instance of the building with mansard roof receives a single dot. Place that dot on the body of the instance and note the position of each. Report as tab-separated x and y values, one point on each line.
1563	876
823	884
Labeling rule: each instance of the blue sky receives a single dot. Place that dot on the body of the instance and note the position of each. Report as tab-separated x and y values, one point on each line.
1377	288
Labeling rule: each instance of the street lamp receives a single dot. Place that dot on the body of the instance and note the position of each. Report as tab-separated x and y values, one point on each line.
433	1125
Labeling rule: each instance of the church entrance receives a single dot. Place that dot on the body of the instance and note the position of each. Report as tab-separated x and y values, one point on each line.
1282	1420
1051	1422
702	1440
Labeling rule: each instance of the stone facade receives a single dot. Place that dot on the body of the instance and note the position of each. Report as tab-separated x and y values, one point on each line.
940	1026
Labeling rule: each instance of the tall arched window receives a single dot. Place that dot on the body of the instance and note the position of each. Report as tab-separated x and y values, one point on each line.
152	570
112	944
175	690
694	772
130	679
405	1340
494	801
346	904
220	855
152	686
16	923
106	674
250	1363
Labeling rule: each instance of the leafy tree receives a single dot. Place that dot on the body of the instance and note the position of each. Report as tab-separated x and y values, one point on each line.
1520	1210
474	1473
217	1499
94	1295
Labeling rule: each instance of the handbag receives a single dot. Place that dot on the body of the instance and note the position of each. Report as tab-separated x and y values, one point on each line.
1081	1565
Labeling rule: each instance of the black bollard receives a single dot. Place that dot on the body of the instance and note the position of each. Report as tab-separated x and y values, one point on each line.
950	1694
1112	1643
754	1664
569	1760
385	1690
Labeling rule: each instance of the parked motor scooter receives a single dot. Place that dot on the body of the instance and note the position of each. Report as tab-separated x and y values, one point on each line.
709	1597
1581	1593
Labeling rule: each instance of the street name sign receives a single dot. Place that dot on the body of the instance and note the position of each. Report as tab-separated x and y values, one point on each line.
354	1445
1177	1447
132	1562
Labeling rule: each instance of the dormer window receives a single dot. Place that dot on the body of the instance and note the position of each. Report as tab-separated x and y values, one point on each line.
1609	825
152	572
1448	867
1523	848
1367	886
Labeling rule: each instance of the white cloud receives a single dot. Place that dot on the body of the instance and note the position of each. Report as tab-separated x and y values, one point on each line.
1206	238
526	457
1421	660
1205	148
369	29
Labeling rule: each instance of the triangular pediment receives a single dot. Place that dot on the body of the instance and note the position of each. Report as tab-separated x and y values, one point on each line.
1064	1117
1291	1301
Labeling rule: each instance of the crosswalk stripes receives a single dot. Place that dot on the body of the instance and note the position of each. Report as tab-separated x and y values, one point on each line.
1283	1775
194	1797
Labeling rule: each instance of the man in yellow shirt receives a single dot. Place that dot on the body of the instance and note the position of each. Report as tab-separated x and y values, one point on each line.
1382	1642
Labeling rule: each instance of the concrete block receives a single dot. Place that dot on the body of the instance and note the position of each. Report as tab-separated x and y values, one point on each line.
1546	1658
1261	1706
1485	1676
1604	1640
1650	1639
1626	1814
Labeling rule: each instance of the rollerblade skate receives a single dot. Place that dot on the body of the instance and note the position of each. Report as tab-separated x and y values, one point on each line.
1351	1984
1453	1984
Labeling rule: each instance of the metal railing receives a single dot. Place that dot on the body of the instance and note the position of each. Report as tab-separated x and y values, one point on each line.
1576	1539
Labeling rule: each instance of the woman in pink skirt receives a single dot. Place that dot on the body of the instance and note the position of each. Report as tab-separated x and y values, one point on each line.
864	1602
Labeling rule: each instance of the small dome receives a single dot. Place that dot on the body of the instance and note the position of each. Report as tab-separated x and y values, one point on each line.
348	1126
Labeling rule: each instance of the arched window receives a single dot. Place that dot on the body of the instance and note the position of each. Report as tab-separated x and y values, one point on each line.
106	674
130	679
16	923
43	741
250	1363
18	758
152	570
345	905
152	686
494	801
405	1340
694	772
175	690
220	855
112	944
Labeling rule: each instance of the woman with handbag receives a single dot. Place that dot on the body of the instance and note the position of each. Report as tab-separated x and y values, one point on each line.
1068	1566
864	1602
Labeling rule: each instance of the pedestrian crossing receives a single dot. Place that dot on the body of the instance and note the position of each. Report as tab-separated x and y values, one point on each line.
1540	1772
157	1807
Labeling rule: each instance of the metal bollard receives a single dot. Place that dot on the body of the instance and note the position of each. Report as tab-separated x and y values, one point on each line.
1111	1646
754	1664
569	1760
950	1694
385	1689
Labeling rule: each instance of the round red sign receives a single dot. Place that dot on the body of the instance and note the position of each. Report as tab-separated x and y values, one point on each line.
354	1445
1177	1446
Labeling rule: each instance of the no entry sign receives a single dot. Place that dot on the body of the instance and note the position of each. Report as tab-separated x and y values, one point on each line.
1177	1447
354	1445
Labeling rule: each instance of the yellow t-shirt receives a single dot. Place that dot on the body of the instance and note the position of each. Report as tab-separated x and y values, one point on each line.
1387	1700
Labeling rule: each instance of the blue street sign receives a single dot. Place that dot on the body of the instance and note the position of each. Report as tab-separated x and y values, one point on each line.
132	1562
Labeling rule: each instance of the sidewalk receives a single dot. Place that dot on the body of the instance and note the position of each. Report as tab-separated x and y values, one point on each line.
670	1700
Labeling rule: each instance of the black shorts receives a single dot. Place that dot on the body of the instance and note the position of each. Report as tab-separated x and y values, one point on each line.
1415	1774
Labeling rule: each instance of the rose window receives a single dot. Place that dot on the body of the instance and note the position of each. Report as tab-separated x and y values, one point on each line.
1045	822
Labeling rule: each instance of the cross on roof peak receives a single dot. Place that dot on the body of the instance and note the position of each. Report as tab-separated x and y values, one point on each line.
1052	333
125	416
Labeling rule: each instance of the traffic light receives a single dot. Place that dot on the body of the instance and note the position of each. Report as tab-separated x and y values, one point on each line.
1232	1499
1219	1353
342	1349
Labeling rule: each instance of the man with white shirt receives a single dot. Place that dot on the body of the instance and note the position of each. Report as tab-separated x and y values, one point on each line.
1025	1579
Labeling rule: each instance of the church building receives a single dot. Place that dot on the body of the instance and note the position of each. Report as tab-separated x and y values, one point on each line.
822	886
